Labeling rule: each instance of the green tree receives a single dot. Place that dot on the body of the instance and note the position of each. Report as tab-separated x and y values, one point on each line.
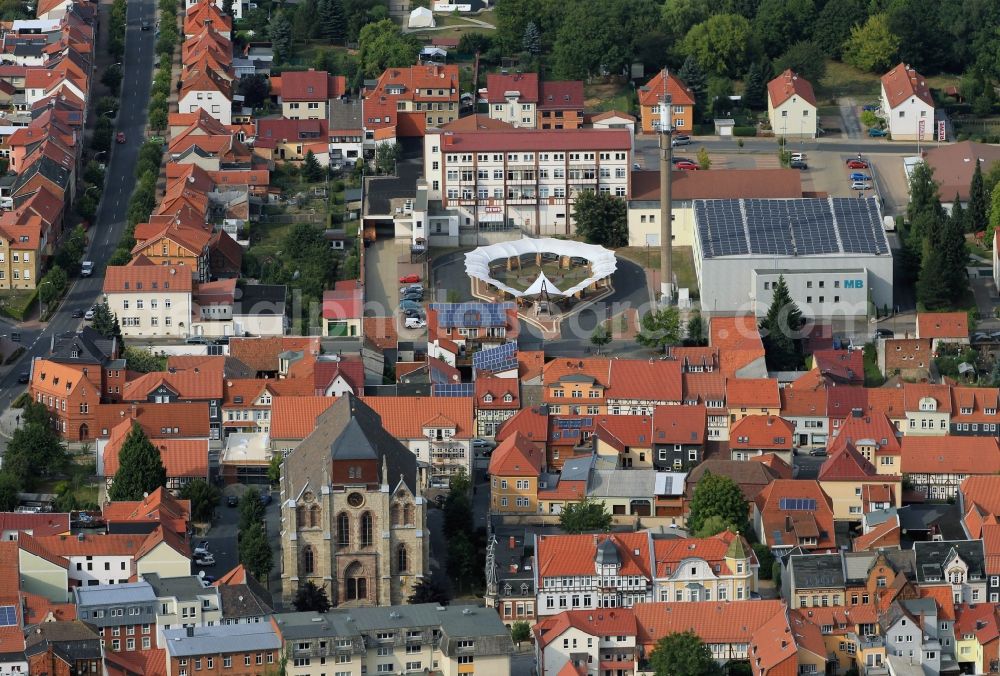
93	174
34	450
599	37
600	337
834	22
158	118
204	499
305	20
462	561
723	44
274	469
140	468
601	219
779	330
694	77
104	322
694	334
765	558
717	495
924	196
280	32
805	58
704	161
872	47
977	218
112	78
254	89
520	632
532	42
311	169
994	214
933	283
381	46
914	23
251	510
683	654
227	7
660	329
428	591
53	285
870	119
584	517
782	22
386	157
713	525
334	21
680	16
101	138
10	488
310	598
255	552
755	87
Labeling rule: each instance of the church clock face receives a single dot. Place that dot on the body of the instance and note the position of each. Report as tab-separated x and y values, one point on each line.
355	499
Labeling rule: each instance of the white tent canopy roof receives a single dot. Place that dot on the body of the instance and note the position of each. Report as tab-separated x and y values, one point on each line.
602	262
542	281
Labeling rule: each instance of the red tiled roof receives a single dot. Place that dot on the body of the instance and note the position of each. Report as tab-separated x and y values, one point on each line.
846	464
601	622
705	387
406	417
529	422
907	353
381	331
787	85
983	491
762	432
187	384
326	371
884	535
805	397
979	619
719	184
43	524
160	505
644	380
498	84
867	428
557	369
190	419
753	393
564	490
345	301
913	393
261	354
978	399
816	523
738	341
670	553
991	546
497	388
771	647
182	458
942	325
295	417
622	432
575	554
944	599
950	455
679	424
561	95
651	93
844	365
94	545
536	139
780	468
38	609
311	85
712	621
516	456
903	82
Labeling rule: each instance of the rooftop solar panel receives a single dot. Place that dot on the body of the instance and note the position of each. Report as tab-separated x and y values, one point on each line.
471	314
797	504
496	359
790	227
454	390
8	616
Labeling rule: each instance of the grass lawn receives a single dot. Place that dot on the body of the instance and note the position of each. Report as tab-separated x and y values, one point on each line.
845	80
601	96
523	278
454	26
683	264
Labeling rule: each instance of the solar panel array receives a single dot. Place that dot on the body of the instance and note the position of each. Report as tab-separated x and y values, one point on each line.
797	504
496	359
454	390
790	227
8	616
469	315
573	423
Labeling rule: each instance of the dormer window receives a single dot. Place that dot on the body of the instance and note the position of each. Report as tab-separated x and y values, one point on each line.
488	398
966	410
507	398
990	411
928	404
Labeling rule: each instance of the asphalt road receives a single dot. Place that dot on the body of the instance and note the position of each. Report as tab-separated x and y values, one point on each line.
111	213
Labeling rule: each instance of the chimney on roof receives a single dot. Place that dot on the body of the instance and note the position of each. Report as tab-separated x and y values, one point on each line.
512	543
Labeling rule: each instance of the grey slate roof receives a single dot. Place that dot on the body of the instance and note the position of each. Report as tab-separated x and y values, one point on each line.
349	430
89	345
631	483
932	556
245	600
224	638
947	518
74	640
187	588
816	570
857	564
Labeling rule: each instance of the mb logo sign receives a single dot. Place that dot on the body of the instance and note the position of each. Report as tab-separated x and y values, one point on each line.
854	283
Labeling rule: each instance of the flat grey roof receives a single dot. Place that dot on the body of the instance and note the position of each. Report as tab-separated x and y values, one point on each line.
224	638
614	483
455	621
108	594
185	588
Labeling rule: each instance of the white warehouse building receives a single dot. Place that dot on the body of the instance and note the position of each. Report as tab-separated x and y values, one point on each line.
833	254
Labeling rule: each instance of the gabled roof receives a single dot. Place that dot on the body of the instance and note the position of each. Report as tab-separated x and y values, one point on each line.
902	83
561	95
42	524
870	429
644	380
652	92
942	325
884	535
623	432
713	621
601	622
499	84
844	365
154	279
679	424
516	456
714	550
295	417
497	389
530	423
950	455
782	526
762	432
191	384
846	464
753	393
344	301
787	85
751	477
182	458
406	417
805	397
575	554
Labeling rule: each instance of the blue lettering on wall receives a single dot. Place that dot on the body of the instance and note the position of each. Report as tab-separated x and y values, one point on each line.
854	283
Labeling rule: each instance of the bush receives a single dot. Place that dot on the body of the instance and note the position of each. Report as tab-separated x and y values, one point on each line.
21	401
744	131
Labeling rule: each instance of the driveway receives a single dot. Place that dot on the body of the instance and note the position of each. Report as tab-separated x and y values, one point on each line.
849	116
381	288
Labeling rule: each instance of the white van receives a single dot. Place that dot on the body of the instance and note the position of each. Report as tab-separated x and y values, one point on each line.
889	223
86	268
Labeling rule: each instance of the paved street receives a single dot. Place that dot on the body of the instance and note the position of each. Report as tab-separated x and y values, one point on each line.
111	214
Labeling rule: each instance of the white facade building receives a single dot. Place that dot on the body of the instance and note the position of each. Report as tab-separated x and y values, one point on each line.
907	105
150	300
528	179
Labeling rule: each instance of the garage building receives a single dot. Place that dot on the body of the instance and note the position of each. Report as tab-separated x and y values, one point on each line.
833	254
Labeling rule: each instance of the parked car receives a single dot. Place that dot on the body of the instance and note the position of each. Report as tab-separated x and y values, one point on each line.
678	160
411	287
861	185
265	498
86	268
77	313
201	549
818	452
636	166
858	176
680	140
875	132
145	25
24	377
884	333
412	295
481	444
687	166
409	305
409	279
857	164
871	107
797	156
798	164
414	323
413	314
89	314
232	501
204	561
120	137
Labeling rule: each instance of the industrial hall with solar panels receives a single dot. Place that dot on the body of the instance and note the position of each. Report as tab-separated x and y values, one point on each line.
832	252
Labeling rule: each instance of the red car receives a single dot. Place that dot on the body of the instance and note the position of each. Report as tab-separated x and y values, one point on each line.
687	166
857	164
120	137
409	279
